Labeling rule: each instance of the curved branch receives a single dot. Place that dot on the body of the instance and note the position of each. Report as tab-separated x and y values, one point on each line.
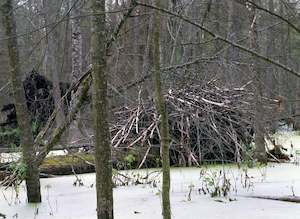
297	29
223	39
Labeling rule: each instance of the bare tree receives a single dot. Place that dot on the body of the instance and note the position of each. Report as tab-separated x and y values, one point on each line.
24	123
260	148
76	41
100	113
161	107
270	50
52	11
77	64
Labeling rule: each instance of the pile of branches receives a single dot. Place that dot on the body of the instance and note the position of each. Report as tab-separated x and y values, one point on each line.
206	123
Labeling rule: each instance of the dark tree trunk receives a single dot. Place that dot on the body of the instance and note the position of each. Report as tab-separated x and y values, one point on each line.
27	141
260	148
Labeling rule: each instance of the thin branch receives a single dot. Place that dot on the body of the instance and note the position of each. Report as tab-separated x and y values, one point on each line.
120	25
61	129
229	42
297	29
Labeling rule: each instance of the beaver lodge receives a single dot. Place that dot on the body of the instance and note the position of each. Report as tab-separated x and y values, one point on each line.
207	123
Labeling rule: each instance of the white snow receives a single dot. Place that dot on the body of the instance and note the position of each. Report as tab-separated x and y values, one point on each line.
61	200
11	157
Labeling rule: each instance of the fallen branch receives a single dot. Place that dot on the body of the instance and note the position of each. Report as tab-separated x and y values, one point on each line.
60	130
289	198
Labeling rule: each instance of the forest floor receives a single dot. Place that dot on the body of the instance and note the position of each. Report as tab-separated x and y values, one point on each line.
63	200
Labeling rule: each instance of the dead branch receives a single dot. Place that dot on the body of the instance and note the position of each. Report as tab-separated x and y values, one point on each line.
290	198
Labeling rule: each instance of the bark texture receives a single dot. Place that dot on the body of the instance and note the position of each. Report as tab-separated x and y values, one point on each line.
77	61
161	107
76	42
100	113
24	123
260	149
51	10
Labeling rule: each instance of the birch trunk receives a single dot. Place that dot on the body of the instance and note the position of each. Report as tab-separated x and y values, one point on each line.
76	42
77	61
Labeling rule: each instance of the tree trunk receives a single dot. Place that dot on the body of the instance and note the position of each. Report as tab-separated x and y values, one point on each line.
76	131
76	42
218	25
282	53
235	27
271	75
260	149
270	40
147	56
32	170
100	114
51	9
161	107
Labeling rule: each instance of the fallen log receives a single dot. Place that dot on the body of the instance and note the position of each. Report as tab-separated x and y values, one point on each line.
57	165
68	164
83	162
288	198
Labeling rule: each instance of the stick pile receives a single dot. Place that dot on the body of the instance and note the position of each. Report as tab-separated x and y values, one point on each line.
207	123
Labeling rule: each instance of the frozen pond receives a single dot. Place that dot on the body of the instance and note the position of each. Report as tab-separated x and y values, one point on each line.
62	200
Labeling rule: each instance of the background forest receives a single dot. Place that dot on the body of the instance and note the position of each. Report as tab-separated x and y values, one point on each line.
54	41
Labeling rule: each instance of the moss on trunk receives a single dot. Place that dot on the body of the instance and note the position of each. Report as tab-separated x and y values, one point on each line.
161	107
23	117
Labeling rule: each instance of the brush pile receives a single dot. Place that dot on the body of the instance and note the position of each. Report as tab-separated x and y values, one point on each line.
207	123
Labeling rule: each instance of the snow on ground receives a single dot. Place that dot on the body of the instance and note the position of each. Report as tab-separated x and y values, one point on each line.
11	157
290	140
286	138
61	200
